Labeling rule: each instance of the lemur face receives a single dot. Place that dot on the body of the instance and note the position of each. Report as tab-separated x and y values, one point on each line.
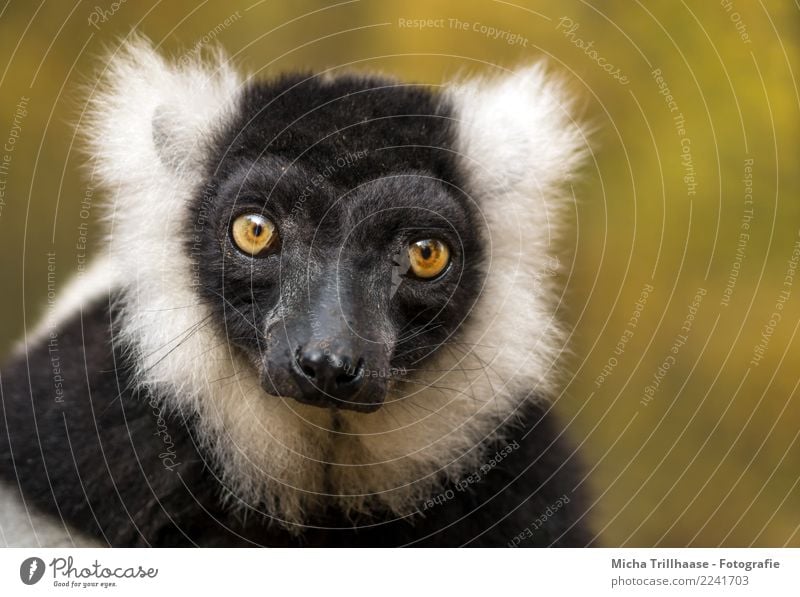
337	245
341	241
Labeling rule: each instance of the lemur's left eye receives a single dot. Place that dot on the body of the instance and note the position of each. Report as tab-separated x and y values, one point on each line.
253	234
428	258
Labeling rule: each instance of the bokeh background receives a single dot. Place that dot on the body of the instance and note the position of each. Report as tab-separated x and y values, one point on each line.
711	456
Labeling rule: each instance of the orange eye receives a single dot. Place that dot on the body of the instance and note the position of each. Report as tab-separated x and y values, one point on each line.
428	258
253	233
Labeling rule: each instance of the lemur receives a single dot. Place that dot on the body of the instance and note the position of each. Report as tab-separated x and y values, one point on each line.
323	316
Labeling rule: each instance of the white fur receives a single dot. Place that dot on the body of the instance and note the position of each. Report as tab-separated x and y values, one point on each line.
517	143
83	288
21	527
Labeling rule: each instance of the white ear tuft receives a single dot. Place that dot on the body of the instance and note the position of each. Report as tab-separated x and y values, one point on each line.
519	128
147	113
148	130
519	145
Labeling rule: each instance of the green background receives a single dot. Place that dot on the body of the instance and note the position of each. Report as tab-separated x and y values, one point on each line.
713	458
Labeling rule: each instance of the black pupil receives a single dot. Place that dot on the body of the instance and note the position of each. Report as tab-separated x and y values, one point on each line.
426	251
257	229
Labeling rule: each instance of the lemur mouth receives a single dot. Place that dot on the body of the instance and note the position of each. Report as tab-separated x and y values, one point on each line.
331	402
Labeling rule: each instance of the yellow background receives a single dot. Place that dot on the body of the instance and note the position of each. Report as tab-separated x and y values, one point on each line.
713	458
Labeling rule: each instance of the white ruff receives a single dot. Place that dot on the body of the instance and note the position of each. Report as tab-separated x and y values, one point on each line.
517	144
21	526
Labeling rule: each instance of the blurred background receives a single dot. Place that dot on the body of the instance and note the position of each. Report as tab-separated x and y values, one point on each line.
682	276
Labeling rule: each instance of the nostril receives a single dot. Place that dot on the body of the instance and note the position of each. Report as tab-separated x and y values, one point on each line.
350	374
320	372
305	363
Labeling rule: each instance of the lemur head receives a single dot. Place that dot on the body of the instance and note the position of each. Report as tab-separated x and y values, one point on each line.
346	280
338	246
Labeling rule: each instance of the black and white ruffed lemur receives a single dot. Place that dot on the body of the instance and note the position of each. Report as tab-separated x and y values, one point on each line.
323	316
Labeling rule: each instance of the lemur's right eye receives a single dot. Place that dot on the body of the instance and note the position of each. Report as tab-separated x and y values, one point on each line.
428	258
253	234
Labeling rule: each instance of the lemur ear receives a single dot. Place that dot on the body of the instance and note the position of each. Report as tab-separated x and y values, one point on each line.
518	130
519	145
175	143
148	115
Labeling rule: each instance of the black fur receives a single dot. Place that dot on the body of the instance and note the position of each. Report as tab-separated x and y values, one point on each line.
101	459
94	461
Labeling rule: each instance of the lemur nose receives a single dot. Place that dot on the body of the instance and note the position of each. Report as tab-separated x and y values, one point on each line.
323	375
